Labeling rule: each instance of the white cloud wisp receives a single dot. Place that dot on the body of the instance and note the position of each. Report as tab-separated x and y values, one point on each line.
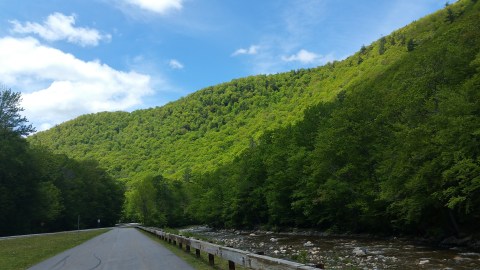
156	6
60	27
175	64
306	57
253	49
57	86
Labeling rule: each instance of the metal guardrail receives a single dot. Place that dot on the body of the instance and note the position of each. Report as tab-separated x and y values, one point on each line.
234	256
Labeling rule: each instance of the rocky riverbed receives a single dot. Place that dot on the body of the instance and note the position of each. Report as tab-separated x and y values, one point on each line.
342	252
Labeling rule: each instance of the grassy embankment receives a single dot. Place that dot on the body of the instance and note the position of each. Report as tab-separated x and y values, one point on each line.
22	253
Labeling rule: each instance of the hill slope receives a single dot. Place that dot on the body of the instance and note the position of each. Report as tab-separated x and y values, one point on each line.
397	153
210	127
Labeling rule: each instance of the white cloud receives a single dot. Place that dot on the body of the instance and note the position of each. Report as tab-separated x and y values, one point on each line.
253	49
58	86
60	27
306	57
156	6
175	64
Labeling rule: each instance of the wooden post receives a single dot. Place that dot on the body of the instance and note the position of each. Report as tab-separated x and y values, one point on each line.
231	265
188	248
197	252
180	245
175	242
211	259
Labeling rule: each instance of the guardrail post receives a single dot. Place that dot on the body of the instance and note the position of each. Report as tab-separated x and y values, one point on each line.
231	265
187	248
180	245
211	259
197	252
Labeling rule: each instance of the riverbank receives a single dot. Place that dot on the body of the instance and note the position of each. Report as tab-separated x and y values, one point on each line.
344	251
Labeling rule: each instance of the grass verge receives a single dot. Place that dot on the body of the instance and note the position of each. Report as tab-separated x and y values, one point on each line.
197	263
22	253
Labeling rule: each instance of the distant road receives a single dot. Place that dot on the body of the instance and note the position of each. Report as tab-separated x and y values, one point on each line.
118	249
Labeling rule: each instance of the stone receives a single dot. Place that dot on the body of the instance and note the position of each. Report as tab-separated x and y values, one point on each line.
422	262
359	252
308	244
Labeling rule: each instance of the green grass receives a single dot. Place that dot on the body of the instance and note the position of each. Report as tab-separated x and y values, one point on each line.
197	263
22	253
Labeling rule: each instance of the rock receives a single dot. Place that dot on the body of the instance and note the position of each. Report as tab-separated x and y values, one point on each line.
359	252
462	259
273	239
308	244
252	234
276	252
422	262
470	254
454	241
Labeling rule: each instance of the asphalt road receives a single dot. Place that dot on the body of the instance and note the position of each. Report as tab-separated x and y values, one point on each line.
118	249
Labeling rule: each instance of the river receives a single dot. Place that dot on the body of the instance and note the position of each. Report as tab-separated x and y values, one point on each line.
341	252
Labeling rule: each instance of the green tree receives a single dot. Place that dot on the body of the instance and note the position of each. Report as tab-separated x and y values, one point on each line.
381	45
10	118
141	201
363	49
18	185
450	15
411	45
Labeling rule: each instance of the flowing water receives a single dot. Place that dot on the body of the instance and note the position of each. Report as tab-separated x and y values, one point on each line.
335	252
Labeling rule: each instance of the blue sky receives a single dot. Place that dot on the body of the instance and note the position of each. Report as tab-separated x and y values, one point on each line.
83	56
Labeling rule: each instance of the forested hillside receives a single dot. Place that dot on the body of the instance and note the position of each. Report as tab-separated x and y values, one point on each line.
212	126
386	140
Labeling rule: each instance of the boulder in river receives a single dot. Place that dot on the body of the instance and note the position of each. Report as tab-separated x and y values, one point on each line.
359	251
308	244
422	262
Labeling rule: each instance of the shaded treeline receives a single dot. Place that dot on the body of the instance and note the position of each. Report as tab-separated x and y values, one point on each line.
41	191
